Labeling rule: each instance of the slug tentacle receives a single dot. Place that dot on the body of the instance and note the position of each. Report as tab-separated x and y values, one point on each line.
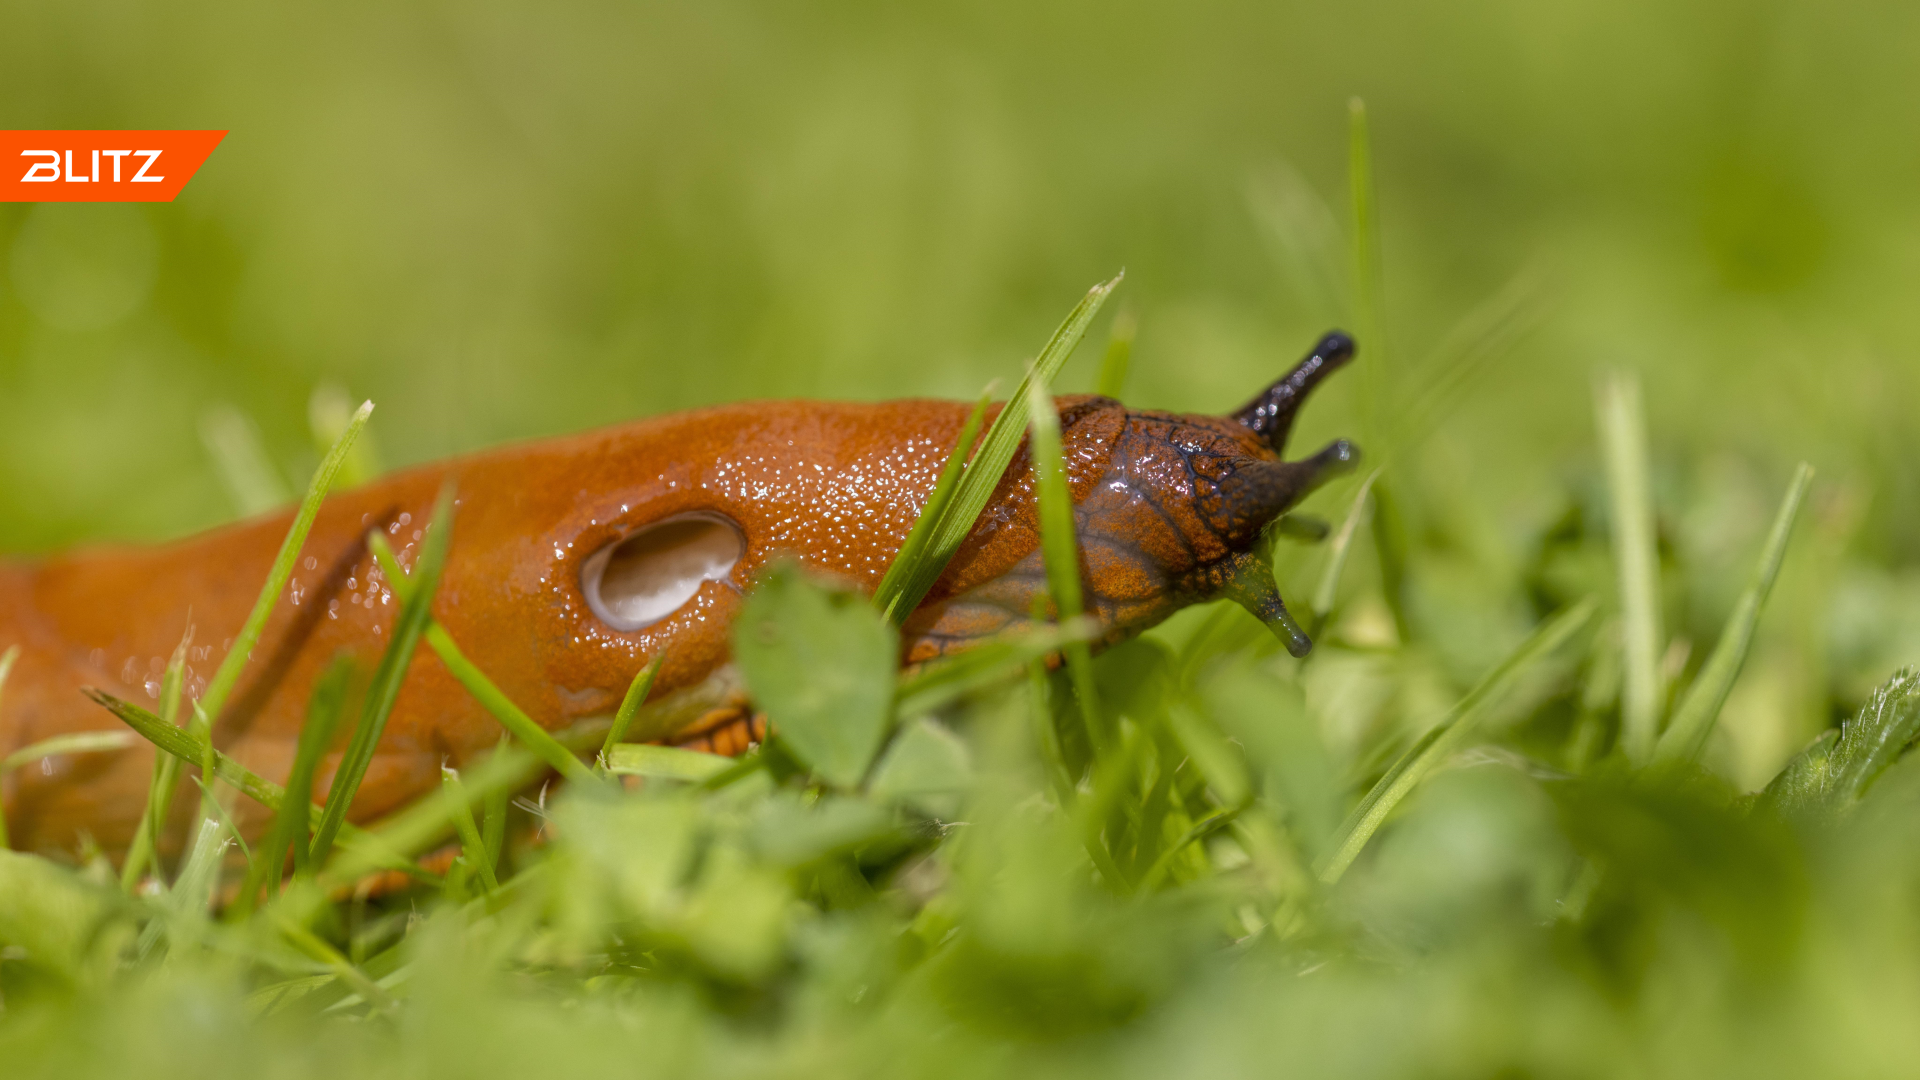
1270	415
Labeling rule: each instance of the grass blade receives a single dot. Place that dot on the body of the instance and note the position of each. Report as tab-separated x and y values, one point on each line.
329	412
475	849
6	668
73	742
324	709
396	839
1623	440
664	762
1003	438
1119	356
1693	720
483	689
251	480
637	692
166	773
222	683
1328	589
408	628
1364	265
1444	738
183	747
1059	542
510	715
913	550
938	682
493	823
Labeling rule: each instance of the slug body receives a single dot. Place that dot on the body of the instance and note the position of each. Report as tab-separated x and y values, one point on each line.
576	561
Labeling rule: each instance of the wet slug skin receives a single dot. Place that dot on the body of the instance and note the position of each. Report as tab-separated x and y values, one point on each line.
576	561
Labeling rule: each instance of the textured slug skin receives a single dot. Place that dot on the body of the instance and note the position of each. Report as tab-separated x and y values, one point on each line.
838	485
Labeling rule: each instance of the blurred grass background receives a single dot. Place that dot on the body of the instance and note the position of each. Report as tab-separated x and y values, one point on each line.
501	223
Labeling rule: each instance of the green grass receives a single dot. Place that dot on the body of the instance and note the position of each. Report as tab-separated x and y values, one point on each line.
1489	827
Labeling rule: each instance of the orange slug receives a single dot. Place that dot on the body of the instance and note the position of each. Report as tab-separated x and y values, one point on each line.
575	561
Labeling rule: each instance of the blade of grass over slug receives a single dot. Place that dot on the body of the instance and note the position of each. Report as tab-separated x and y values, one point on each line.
407	630
475	681
1328	589
637	692
291	822
1623	443
1445	738
74	742
1119	356
166	771
983	473
425	821
329	411
224	678
1060	545
936	683
914	549
183	747
1696	714
510	715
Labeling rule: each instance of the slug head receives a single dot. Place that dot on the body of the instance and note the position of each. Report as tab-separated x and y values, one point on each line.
1170	510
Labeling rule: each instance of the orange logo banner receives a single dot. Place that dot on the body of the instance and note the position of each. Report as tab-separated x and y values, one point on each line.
100	166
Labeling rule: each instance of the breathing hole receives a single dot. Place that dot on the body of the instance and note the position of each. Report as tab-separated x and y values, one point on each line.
635	582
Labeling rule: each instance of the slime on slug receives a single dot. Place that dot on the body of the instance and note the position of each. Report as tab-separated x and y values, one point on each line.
576	561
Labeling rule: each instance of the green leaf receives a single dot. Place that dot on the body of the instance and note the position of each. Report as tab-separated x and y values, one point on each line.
58	921
821	662
1836	771
927	767
788	833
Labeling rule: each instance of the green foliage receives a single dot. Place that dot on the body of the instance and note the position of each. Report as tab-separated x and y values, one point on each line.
952	883
821	663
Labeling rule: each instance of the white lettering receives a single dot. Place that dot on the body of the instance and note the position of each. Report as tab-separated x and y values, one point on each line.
72	179
116	155
141	177
35	175
96	166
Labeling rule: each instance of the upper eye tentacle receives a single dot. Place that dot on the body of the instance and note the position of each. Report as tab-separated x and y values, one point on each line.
1270	414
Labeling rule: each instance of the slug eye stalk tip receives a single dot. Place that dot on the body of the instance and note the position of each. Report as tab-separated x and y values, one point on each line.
1270	414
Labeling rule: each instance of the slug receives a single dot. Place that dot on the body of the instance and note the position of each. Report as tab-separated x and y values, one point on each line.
576	561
